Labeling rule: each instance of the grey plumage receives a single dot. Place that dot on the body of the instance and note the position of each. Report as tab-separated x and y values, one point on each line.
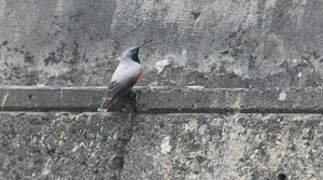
124	78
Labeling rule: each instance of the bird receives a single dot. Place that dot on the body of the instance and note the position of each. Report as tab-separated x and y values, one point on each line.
126	75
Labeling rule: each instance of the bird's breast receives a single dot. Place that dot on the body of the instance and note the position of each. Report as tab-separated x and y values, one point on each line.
137	77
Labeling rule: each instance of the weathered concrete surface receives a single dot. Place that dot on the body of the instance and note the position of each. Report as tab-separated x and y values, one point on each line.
63	145
226	147
207	45
189	99
164	146
246	43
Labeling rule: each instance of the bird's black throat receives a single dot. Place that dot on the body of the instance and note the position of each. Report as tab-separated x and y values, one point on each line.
135	57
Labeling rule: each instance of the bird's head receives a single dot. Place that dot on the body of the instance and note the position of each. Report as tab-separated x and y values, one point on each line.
133	52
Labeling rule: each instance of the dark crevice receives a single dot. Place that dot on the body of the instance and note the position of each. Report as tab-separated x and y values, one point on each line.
196	15
4	43
282	176
51	151
30	97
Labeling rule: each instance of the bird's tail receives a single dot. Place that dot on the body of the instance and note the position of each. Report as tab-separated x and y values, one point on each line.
107	101
106	104
112	93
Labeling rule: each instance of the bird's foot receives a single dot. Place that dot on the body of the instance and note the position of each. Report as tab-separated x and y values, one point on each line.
138	94
134	95
131	94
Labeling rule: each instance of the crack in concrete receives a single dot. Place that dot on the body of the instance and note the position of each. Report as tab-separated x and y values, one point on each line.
121	138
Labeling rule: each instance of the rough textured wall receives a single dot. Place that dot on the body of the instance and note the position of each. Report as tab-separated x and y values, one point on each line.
164	146
245	43
226	147
212	43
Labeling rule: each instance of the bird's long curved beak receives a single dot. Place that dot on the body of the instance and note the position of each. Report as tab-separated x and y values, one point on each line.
145	42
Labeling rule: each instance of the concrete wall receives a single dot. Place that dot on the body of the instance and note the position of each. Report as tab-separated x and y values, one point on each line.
162	146
246	43
266	125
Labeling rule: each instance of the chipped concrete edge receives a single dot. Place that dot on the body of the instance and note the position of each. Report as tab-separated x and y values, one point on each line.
162	99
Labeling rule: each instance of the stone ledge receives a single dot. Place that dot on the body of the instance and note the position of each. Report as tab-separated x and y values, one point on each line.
189	99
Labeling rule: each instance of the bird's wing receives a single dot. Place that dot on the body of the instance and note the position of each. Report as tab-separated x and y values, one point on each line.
114	88
123	78
109	96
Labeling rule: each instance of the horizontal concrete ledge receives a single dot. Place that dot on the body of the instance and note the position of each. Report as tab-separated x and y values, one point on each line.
189	99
